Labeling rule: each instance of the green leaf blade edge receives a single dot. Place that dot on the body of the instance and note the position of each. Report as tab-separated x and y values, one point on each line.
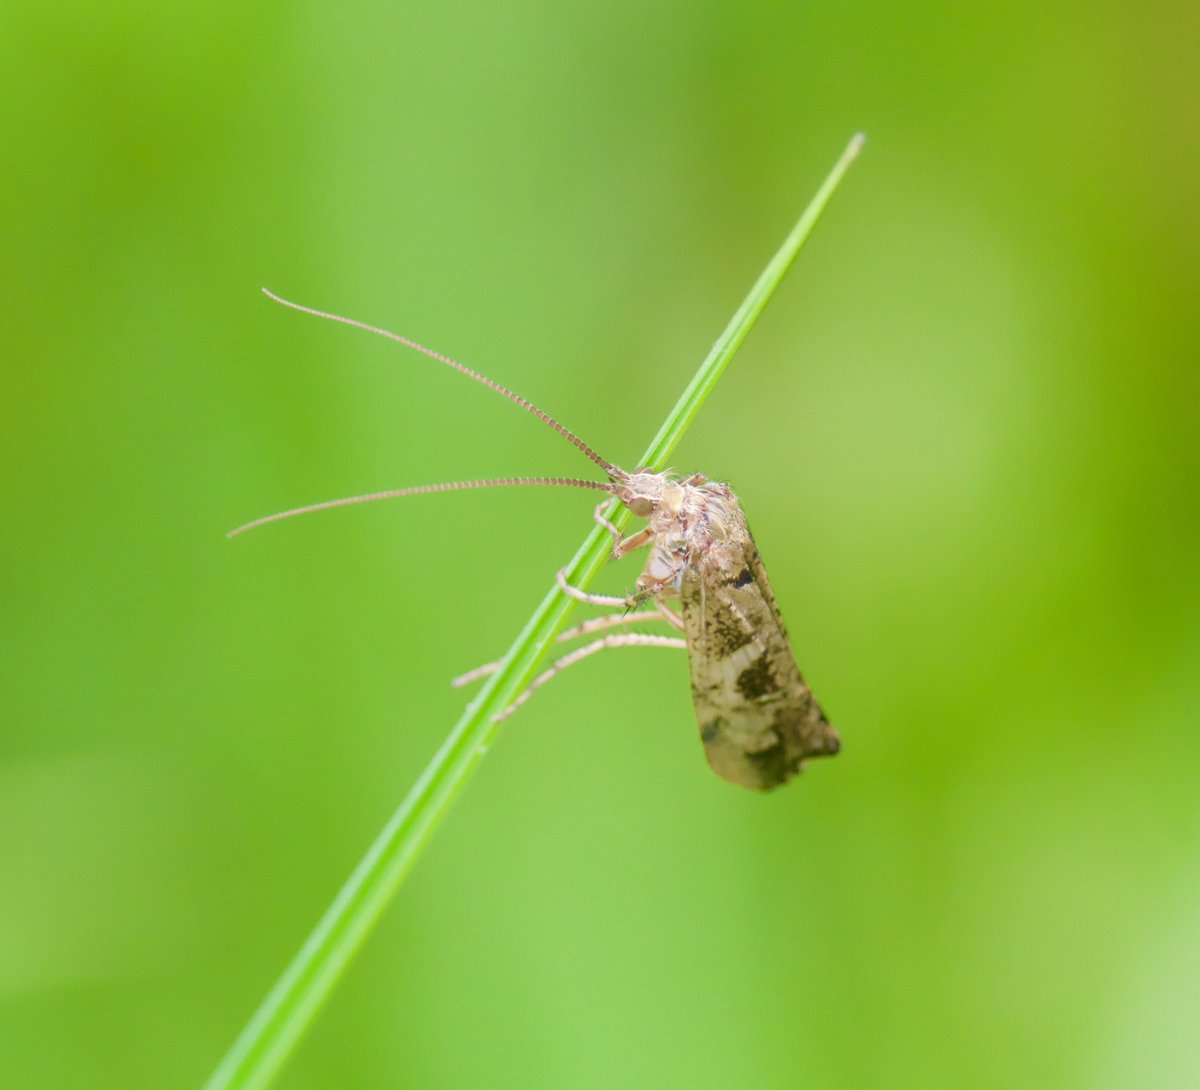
284	1014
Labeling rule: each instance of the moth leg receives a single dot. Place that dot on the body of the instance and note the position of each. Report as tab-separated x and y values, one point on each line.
589	599
474	675
626	639
635	541
602	521
596	624
622	546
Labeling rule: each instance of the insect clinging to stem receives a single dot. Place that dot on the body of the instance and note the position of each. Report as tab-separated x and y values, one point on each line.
759	722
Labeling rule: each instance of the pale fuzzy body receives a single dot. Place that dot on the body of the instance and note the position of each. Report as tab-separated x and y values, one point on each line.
758	719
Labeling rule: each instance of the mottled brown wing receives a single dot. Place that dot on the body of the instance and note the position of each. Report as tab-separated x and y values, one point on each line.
758	720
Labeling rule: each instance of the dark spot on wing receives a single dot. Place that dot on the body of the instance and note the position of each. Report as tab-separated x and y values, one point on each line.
726	638
757	680
774	765
710	731
744	578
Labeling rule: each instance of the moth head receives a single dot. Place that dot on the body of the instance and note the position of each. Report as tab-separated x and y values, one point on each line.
647	494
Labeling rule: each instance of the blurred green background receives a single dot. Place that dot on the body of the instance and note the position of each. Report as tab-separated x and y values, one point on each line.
965	432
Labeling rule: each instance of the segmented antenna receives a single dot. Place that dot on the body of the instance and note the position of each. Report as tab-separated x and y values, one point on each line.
613	471
396	493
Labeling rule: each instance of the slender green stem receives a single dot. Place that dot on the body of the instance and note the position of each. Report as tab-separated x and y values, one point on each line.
281	1019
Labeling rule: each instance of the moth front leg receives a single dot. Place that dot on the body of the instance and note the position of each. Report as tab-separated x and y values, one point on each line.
621	546
635	541
600	520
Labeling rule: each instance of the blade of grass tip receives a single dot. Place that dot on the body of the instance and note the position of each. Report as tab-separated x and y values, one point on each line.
283	1015
726	346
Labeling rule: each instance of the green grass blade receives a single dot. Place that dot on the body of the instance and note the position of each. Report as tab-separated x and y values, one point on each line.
281	1019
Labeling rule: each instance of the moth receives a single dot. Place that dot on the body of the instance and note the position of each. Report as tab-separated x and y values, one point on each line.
759	722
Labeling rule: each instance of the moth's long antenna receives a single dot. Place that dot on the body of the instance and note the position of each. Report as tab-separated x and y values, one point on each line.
395	493
612	470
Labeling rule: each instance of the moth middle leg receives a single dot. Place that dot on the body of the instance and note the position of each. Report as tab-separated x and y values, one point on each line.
653	592
609	600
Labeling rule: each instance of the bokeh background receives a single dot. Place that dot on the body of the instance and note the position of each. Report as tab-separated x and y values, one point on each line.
965	432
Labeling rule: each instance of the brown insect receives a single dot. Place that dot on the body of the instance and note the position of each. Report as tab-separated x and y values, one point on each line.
758	719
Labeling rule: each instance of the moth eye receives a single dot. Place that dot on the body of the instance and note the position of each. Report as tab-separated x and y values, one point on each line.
640	506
